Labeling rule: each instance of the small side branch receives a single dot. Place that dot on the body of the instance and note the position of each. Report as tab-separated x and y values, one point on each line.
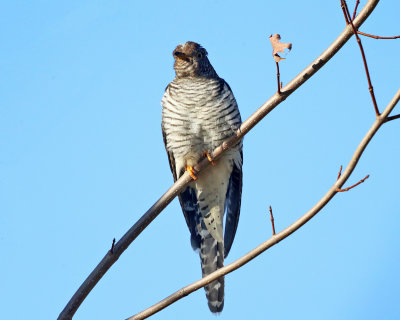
340	173
345	12
349	21
355	9
392	118
112	246
272	221
354	185
278	78
377	37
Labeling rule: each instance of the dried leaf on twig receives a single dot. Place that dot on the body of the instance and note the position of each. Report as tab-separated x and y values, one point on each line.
278	46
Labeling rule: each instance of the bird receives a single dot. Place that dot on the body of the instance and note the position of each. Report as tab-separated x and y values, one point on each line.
199	111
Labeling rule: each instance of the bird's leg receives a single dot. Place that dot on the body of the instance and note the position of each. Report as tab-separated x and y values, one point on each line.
191	172
207	154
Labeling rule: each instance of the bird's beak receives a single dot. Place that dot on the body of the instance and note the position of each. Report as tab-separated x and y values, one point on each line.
181	55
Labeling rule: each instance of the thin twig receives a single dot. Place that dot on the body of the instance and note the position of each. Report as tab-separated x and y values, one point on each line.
392	118
272	221
278	77
377	37
340	173
355	9
345	13
371	89
284	233
112	246
109	259
354	185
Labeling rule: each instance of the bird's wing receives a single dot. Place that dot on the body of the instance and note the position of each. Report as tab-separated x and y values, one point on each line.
232	204
188	201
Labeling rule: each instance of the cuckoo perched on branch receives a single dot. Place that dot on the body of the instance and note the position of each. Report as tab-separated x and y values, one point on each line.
199	112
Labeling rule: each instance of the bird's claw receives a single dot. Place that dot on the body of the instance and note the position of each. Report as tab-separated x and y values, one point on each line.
207	154
191	172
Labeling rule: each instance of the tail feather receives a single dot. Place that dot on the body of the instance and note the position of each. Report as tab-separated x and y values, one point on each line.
212	258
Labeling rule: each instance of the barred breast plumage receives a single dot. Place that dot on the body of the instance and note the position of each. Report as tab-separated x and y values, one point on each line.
199	112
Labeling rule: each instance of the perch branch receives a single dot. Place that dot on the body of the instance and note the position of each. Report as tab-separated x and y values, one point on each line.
109	259
284	233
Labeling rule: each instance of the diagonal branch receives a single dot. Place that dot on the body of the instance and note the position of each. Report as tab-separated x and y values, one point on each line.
349	21
111	257
284	233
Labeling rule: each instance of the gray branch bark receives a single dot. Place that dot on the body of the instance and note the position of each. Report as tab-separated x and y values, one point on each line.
111	257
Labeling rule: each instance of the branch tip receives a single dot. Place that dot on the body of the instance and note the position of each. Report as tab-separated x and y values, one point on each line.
272	220
355	9
339	173
112	246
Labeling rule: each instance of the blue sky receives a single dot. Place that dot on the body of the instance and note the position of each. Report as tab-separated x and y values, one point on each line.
82	158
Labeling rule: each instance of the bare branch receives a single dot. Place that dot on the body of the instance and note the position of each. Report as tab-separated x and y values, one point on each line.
345	12
371	89
392	118
278	77
272	221
109	259
112	246
354	185
284	233
376	37
355	9
340	173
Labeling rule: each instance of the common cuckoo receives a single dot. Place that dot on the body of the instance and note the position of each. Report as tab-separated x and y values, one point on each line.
199	111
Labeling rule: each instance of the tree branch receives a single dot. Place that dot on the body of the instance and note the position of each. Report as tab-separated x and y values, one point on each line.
349	21
110	258
278	77
272	220
392	118
354	185
284	233
355	9
376	37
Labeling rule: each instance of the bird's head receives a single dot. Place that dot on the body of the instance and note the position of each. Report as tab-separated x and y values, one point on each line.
191	61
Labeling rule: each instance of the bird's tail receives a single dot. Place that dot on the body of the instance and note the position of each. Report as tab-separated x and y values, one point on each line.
212	258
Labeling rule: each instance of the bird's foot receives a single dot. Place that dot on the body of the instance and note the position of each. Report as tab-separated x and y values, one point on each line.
191	172
207	154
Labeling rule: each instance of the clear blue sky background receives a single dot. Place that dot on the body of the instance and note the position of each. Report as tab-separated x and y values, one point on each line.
82	158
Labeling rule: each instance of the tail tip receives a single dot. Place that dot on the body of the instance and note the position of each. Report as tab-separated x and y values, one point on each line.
216	307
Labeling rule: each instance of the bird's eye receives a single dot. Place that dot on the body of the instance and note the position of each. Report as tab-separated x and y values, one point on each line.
199	55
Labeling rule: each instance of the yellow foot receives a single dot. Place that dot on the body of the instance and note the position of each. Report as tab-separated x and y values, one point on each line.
207	154
191	171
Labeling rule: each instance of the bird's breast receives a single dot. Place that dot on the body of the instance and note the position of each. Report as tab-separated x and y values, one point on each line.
197	117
